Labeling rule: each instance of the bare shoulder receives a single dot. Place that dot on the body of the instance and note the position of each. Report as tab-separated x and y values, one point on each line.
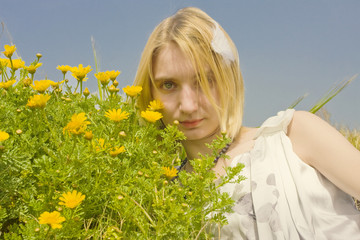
321	146
309	133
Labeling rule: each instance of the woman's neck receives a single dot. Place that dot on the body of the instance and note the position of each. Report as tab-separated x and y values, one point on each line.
195	147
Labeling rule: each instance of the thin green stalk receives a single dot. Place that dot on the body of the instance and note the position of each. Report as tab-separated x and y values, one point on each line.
331	94
96	66
297	101
142	209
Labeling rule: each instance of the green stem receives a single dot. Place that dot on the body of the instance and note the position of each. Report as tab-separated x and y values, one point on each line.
47	233
96	66
142	209
81	84
52	134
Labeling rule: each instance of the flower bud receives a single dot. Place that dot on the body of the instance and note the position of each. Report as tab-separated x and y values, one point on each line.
88	135
27	82
86	92
115	83
122	134
38	55
19	131
176	122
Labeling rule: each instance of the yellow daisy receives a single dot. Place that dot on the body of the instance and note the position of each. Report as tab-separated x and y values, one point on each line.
169	173
42	85
80	72
6	85
77	125
116	151
103	77
155	105
151	116
113	74
3	136
116	115
64	68
54	219
99	144
71	199
132	91
9	50
32	68
38	101
4	62
16	64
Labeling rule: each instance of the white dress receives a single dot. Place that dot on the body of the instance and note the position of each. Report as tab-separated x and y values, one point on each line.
283	197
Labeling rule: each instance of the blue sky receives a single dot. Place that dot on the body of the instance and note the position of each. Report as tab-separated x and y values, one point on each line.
286	48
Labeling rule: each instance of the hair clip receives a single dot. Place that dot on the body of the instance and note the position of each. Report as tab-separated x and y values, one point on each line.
220	44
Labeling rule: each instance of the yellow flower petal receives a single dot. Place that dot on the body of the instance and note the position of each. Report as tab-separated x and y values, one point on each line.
54	219
116	115
151	116
3	136
71	199
132	91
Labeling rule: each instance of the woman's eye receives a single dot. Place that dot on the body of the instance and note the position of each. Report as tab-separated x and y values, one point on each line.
168	85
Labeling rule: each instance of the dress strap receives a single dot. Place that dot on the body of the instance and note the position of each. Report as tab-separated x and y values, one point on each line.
280	122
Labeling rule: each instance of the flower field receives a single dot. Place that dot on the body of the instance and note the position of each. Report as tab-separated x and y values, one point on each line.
80	166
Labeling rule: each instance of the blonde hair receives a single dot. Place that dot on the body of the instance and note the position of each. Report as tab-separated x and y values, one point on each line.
192	30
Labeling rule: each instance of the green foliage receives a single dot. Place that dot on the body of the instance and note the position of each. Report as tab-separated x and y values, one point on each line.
127	195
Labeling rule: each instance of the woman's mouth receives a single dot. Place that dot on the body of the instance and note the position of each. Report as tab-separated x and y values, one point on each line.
191	123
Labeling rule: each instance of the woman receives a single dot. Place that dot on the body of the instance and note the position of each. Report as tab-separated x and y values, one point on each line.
301	172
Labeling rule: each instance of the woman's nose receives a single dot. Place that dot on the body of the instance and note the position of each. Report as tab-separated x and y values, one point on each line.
188	100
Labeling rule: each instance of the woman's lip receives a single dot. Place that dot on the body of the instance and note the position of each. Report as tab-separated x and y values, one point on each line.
191	123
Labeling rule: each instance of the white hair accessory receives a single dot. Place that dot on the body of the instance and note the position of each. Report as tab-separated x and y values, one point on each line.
220	44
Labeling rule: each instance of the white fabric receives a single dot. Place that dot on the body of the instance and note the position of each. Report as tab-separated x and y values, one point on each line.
284	198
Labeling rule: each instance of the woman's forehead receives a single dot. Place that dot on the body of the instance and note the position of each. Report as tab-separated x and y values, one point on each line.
171	60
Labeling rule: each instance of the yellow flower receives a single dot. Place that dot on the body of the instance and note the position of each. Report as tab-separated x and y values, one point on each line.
151	116
56	84
42	85
116	151
6	85
86	92
169	173
32	68
132	91
27	82
71	199
80	72
155	105
88	135
17	63
54	219
64	68
4	62
116	115
99	144
38	101
103	77
113	89
113	74
9	50
77	125
3	136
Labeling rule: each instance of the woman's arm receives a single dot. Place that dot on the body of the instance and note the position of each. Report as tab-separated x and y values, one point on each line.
321	146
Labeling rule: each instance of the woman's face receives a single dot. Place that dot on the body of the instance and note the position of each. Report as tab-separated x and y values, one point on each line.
177	86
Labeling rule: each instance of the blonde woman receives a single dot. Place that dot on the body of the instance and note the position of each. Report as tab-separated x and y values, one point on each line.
301	172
